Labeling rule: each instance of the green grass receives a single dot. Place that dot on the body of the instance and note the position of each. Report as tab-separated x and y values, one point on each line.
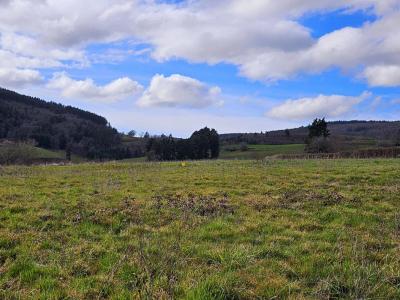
28	153
43	153
210	230
136	159
262	151
31	151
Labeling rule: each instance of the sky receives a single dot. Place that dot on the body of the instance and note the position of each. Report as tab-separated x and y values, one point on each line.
233	65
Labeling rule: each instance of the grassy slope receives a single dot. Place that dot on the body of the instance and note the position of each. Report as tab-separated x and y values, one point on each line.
33	153
296	229
43	153
262	151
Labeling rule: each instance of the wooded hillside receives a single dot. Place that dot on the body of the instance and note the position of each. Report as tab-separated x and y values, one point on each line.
58	127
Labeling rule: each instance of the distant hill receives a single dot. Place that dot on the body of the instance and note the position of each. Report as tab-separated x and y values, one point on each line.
347	134
58	127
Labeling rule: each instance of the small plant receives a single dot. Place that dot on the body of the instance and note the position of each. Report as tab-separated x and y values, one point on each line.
14	153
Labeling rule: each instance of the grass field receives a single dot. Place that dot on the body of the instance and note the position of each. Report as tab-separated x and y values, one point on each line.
31	151
27	153
207	230
262	151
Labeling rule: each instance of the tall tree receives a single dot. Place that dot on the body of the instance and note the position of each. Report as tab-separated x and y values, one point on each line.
318	134
318	128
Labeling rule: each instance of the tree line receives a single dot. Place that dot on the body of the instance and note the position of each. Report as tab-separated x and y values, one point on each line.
203	144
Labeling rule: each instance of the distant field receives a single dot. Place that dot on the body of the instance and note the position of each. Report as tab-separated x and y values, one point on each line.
28	153
208	230
33	152
43	153
262	151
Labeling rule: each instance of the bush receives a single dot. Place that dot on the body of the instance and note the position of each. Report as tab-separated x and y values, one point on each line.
11	153
319	145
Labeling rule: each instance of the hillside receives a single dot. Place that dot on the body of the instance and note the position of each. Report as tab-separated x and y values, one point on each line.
57	127
346	134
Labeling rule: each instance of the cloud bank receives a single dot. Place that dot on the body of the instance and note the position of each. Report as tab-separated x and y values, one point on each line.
264	39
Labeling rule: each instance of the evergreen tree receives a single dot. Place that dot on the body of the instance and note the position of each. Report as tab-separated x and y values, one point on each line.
318	128
318	134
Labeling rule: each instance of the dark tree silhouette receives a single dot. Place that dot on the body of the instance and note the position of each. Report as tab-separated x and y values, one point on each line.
203	144
318	128
317	141
54	126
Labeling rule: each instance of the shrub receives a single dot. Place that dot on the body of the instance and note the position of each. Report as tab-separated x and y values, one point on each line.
319	145
13	153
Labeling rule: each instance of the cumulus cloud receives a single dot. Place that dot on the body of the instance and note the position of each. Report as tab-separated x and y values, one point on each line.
16	78
332	106
264	39
179	91
371	46
86	89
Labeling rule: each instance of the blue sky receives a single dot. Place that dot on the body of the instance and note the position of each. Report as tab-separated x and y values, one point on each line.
236	66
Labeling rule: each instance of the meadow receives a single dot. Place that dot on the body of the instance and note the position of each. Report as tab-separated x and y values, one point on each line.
261	151
272	229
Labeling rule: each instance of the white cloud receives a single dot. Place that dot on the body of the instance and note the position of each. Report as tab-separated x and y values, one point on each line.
86	89
29	47
388	76
267	43
264	39
179	91
332	106
372	45
16	78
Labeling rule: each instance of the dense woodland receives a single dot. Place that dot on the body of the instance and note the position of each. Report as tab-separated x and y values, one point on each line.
203	144
58	127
